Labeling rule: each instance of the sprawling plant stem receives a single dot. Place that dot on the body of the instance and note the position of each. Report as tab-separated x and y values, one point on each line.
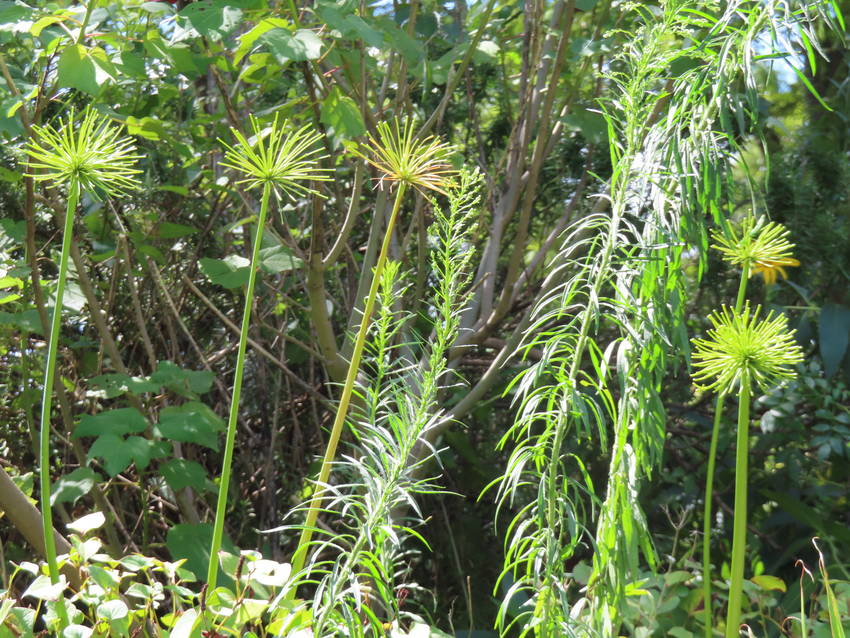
47	396
708	616
230	441
345	398
739	525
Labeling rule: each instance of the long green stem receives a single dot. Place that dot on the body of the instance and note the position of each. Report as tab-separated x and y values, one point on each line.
709	482
221	505
345	398
739	525
707	516
47	398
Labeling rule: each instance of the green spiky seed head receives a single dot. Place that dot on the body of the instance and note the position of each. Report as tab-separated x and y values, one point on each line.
91	156
745	350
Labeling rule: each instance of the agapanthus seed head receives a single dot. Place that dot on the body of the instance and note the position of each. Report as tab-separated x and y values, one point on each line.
90	155
286	160
402	158
762	246
745	350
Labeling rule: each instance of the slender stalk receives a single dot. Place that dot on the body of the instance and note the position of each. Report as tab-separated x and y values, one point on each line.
230	441
707	516
345	398
47	398
709	482
739	528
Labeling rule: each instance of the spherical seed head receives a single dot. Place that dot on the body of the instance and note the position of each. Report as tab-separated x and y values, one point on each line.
760	245
400	157
286	161
743	349
92	156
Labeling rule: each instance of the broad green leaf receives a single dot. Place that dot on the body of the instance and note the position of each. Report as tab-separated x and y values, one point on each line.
180	56
46	21
248	40
186	383
117	454
10	124
769	583
13	14
157	8
77	631
212	19
487	51
230	272
27	320
10	282
834	334
590	124
12	232
174	188
5	606
192	542
192	422
169	230
351	26
117	384
342	114
185	625
112	610
87	523
42	589
73	485
119	422
412	49
148	127
298	47
85	69
277	259
181	473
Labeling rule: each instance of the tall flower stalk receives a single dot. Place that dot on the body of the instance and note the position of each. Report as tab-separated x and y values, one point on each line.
406	162
91	158
279	162
743	351
757	246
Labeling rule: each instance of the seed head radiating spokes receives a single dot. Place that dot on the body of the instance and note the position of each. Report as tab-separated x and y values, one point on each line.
744	349
760	245
400	157
93	156
286	161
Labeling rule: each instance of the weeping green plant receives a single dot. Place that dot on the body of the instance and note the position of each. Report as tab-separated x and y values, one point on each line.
757	246
87	157
405	162
741	352
279	161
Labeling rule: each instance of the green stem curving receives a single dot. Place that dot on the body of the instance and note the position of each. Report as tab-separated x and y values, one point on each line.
345	398
47	398
230	441
709	482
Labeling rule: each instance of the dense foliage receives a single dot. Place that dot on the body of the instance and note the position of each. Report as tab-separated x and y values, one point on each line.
393	304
